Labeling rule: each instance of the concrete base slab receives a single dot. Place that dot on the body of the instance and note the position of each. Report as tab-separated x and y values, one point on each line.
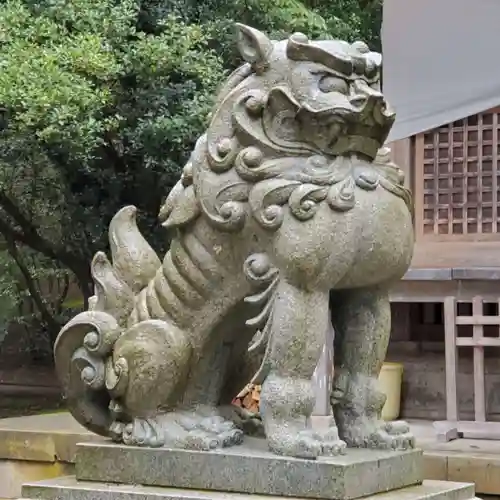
42	438
70	489
251	468
14	473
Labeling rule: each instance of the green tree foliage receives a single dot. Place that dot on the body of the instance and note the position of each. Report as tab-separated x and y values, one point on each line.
352	19
100	104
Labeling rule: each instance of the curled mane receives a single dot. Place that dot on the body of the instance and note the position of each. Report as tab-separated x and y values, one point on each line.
256	157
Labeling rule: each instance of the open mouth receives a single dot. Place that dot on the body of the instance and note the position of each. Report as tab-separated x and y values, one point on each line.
358	124
367	118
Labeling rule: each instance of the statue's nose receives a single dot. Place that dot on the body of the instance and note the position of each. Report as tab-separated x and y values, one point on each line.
365	96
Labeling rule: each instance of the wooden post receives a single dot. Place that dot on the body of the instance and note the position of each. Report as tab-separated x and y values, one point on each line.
477	335
418	186
450	333
401	156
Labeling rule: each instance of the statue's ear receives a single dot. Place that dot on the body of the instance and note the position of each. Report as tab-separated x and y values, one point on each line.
254	47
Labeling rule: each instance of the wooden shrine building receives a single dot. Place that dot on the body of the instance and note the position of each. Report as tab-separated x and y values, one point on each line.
444	83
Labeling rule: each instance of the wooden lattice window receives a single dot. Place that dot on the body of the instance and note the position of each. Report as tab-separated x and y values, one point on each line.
456	179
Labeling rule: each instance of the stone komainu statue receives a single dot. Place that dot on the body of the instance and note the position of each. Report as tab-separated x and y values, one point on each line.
289	202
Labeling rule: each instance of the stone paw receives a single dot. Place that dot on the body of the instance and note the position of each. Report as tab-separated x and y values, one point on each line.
116	431
216	425
147	432
250	423
377	434
199	440
204	440
331	444
333	448
232	437
393	436
302	444
208	432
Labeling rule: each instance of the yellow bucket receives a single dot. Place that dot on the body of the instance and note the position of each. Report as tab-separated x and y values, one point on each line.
390	382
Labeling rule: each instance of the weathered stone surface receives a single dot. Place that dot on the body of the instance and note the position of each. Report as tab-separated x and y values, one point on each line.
70	489
289	195
251	469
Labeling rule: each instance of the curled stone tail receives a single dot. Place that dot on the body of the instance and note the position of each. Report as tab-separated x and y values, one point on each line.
80	351
84	350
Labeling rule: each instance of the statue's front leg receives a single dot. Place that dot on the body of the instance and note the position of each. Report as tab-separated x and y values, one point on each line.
299	321
362	323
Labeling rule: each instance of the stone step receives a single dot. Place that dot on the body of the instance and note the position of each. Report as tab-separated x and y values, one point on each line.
251	468
68	488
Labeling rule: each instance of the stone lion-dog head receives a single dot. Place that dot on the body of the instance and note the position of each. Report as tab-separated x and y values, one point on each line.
296	112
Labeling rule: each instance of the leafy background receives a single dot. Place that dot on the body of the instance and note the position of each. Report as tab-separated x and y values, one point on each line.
101	102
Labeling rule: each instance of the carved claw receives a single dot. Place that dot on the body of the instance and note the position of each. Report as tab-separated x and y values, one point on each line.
370	432
395	436
302	444
333	448
232	437
204	440
199	440
308	443
208	432
331	444
144	432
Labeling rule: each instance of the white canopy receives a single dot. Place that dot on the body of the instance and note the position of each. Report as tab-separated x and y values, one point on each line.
441	61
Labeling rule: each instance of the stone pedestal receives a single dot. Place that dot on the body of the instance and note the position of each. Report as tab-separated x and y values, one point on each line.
251	469
69	488
113	472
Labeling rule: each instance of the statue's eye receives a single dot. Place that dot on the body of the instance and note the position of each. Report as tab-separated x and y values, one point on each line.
333	84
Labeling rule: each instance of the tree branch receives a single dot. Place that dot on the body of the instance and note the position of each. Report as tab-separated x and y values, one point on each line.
46	315
62	295
30	236
113	154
